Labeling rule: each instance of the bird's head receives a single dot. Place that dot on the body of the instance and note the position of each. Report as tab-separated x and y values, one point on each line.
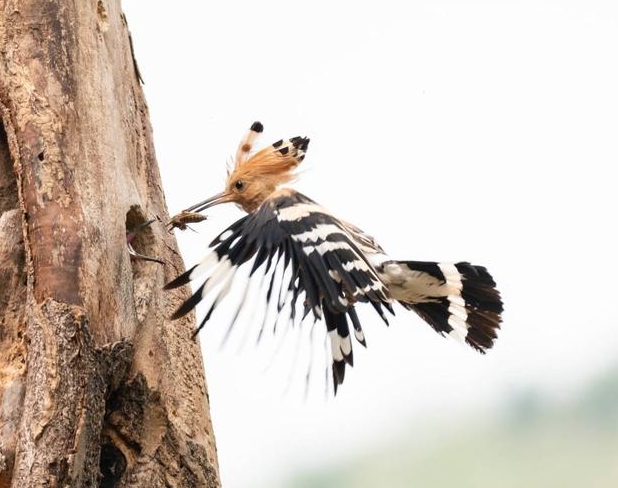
256	175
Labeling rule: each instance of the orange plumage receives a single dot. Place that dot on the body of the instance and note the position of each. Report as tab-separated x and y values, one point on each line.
255	177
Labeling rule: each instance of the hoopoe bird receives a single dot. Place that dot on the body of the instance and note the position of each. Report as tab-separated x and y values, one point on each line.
334	265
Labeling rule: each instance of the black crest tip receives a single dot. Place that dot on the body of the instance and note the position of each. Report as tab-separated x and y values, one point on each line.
257	127
301	143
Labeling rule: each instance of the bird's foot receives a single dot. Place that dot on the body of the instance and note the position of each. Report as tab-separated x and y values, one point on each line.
136	256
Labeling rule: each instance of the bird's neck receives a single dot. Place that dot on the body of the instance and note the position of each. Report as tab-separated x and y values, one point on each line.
252	205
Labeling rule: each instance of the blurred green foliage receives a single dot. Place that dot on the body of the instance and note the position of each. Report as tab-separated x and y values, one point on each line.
533	442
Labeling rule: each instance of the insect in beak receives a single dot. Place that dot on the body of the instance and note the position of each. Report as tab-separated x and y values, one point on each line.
191	215
181	220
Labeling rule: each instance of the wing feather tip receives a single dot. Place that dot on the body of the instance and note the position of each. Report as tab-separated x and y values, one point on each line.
180	280
178	314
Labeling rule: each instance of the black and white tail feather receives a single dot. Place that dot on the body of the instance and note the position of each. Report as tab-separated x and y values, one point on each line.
459	300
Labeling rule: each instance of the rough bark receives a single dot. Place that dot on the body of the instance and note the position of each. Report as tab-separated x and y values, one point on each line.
97	386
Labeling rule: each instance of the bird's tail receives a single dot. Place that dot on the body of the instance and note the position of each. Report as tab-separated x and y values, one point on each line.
460	299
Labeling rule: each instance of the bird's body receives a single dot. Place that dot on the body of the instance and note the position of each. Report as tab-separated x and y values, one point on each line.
332	265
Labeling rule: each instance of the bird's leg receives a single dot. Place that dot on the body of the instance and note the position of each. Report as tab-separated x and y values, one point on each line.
135	256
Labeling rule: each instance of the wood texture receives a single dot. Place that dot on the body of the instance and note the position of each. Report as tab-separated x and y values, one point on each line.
97	386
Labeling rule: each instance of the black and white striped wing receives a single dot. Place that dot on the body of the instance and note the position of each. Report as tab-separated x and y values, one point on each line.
329	271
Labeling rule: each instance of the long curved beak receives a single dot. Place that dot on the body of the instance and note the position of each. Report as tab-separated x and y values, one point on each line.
223	197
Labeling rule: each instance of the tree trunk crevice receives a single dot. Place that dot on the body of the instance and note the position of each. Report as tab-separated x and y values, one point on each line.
12	312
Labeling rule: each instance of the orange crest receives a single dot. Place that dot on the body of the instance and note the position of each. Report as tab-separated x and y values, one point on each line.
256	176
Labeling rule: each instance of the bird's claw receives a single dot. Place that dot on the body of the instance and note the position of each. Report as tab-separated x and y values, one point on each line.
134	255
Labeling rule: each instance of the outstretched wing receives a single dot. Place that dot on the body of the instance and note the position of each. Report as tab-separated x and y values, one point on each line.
329	270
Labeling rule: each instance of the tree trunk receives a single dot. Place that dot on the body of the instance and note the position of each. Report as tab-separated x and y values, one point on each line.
97	386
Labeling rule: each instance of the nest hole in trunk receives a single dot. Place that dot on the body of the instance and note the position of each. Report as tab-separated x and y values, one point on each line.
144	272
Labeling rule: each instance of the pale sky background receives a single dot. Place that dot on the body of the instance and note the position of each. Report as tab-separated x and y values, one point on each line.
450	130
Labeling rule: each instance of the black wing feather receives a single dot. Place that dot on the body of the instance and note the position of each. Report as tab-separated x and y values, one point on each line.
324	258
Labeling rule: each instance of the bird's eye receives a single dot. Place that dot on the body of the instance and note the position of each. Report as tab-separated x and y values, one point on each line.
240	185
